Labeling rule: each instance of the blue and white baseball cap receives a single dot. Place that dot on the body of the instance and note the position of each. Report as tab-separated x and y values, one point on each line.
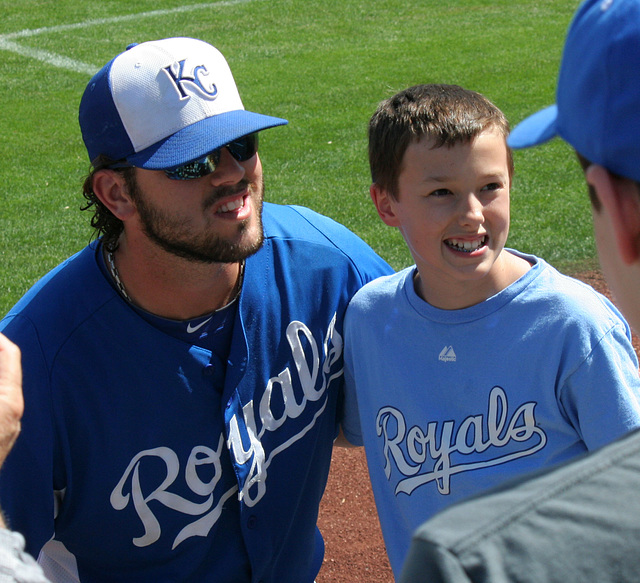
164	103
597	107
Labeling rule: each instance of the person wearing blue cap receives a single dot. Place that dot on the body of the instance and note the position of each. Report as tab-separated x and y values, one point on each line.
182	373
581	521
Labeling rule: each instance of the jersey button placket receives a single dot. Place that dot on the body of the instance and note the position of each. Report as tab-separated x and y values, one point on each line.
214	373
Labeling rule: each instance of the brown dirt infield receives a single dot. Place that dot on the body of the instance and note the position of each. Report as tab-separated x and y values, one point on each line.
355	551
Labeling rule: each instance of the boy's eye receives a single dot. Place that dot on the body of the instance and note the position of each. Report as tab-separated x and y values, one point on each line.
440	192
492	186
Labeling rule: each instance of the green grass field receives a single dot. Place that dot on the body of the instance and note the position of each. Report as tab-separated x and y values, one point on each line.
322	65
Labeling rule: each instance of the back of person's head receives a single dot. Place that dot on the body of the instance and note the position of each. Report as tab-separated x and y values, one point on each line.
597	112
446	114
597	108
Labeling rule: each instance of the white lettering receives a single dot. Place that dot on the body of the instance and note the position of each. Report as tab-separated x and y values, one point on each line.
254	453
392	441
280	392
291	407
284	397
120	500
410	450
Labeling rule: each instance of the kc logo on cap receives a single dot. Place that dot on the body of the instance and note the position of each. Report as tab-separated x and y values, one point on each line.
196	79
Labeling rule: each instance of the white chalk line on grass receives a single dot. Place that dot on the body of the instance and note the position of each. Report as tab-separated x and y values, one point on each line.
47	57
7	42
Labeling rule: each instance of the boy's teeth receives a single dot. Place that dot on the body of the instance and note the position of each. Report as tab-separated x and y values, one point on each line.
467	246
231	206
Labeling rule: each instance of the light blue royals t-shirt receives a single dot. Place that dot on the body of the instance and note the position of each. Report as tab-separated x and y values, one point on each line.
449	403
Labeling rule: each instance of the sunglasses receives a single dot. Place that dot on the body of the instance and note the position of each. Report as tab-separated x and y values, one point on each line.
242	149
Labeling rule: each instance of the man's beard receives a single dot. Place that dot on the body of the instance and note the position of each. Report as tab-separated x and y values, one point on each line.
175	236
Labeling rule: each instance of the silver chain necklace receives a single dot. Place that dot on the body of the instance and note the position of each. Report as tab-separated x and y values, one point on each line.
116	278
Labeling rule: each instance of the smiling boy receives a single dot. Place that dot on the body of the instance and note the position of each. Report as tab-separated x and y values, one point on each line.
456	240
478	363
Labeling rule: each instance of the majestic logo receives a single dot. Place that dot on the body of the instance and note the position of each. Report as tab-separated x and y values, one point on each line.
303	393
447	354
196	81
426	456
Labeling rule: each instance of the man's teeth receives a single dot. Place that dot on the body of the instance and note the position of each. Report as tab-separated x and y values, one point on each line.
466	246
231	206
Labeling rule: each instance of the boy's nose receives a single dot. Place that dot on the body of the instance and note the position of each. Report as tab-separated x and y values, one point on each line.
472	209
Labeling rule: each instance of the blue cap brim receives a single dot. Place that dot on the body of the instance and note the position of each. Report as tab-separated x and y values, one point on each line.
535	129
200	138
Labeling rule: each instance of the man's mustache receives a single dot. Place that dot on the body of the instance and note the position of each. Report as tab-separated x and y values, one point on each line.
225	191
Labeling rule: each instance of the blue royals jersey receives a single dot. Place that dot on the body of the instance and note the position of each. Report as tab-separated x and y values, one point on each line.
139	462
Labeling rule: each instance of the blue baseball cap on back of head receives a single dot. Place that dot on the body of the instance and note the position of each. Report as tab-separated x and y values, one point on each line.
164	103
597	108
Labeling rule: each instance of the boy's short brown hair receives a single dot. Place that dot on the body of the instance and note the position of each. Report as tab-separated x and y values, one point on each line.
447	114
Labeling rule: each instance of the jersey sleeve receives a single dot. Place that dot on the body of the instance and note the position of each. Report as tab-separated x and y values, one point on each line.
26	479
601	397
364	260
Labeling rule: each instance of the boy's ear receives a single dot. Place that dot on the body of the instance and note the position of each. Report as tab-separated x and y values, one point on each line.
621	201
110	187
384	205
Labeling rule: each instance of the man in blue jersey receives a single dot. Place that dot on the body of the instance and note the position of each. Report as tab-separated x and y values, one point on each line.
182	372
581	521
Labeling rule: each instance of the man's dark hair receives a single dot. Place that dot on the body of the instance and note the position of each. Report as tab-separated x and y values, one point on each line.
106	224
